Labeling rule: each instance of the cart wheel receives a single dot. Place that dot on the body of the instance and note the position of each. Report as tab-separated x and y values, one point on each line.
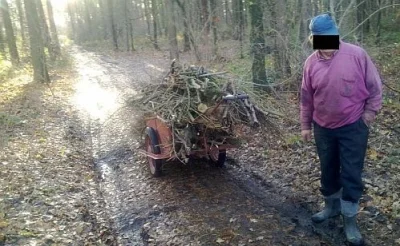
152	147
218	157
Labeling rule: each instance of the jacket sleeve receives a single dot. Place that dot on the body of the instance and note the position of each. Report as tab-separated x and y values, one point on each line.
374	86
306	100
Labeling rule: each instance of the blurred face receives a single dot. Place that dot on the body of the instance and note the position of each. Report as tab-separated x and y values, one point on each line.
326	44
327	53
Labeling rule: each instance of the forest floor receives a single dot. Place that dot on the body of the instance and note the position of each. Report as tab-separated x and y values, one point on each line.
71	174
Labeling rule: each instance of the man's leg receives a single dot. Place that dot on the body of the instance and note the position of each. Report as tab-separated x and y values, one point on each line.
328	152
353	140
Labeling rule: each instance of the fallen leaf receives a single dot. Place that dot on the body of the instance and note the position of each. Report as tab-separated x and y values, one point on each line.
372	154
220	240
202	108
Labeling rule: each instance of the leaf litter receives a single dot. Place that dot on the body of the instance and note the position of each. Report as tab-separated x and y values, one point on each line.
48	190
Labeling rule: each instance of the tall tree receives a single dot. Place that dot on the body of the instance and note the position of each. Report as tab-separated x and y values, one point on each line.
272	6
21	20
214	21
88	27
228	13
360	19
38	57
378	24
173	42
154	13
43	23
241	16
282	36
127	25
72	19
104	19
315	7
147	16
131	27
11	41
53	29
332	7
110	6
186	33
257	42
236	12
2	42
205	17
163	23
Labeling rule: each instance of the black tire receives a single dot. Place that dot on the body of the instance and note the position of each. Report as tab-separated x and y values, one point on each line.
220	162
152	145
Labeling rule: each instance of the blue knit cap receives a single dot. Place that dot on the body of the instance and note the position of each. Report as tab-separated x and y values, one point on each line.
323	25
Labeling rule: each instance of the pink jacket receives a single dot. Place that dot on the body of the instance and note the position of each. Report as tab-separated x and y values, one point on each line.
338	91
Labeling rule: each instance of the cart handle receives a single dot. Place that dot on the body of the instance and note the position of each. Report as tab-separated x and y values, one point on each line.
235	97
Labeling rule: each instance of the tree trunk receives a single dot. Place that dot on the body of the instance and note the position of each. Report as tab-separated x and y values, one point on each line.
163	18
127	26
235	19
173	42
315	7
186	33
241	27
147	16
205	17
11	41
131	36
53	29
72	20
44	26
40	73
21	20
332	7
131	11
110	6
367	12
282	37
104	22
360	19
2	42
274	35
257	43
88	33
214	21
228	13
301	20
378	24
154	13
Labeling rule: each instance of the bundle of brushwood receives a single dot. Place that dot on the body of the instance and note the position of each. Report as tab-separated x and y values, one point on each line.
191	99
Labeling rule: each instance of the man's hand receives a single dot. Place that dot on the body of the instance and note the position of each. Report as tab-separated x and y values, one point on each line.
306	135
368	118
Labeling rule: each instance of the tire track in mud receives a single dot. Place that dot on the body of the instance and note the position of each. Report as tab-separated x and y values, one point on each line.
193	204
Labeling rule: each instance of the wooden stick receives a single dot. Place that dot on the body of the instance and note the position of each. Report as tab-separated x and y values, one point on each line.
253	112
211	74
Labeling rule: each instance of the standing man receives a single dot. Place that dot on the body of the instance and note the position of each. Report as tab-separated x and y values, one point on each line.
341	94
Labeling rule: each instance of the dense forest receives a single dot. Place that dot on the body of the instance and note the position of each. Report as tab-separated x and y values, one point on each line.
277	30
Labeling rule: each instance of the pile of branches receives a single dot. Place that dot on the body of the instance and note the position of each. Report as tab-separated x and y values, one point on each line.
190	99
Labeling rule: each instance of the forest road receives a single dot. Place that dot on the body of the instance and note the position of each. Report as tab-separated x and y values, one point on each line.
190	204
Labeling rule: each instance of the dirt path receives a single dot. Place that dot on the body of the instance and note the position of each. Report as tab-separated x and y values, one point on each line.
190	205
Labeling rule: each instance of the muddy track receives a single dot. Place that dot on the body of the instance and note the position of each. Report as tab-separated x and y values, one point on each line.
194	204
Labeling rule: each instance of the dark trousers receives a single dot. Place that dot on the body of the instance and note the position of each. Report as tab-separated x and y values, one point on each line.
341	152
